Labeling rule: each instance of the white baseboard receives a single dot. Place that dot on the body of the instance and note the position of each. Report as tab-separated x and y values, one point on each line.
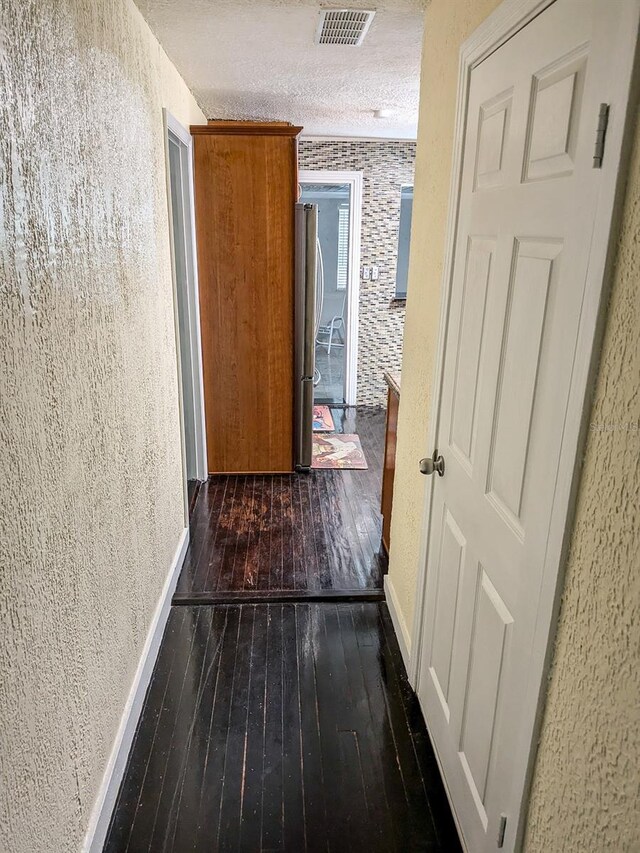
399	625
108	792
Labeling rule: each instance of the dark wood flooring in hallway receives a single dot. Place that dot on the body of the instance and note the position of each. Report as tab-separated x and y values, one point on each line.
281	727
290	725
299	532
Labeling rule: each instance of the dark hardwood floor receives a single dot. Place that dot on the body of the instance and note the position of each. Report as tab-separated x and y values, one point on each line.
281	727
300	532
285	726
193	487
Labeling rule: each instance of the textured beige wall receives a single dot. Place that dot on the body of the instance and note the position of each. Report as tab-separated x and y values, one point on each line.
91	498
447	24
585	794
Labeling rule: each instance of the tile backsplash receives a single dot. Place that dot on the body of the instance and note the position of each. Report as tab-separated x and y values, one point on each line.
386	166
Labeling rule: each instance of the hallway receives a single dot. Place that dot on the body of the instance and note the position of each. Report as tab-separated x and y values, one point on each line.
279	716
195	663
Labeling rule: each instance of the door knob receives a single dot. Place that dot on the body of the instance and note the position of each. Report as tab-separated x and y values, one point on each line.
428	466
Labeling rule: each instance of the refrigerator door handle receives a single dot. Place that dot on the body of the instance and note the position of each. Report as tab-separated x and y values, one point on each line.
306	259
311	261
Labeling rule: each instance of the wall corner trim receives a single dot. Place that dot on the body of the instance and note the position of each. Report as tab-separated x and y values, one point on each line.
108	792
399	624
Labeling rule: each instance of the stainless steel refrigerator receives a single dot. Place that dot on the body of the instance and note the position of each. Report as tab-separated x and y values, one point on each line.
306	219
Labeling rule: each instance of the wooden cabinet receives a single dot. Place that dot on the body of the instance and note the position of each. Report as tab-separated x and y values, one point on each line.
389	468
245	177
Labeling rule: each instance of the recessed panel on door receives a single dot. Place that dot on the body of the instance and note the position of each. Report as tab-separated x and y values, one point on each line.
532	275
450	567
493	132
492	623
553	118
480	255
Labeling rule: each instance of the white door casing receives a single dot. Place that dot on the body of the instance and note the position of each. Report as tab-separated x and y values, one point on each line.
354	180
526	276
179	174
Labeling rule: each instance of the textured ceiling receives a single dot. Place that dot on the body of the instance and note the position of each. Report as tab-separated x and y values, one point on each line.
258	60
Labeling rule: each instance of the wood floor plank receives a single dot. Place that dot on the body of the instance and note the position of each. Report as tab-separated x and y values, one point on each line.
213	559
323	571
356	559
263	579
234	767
176	760
246	539
373	769
289	535
276	555
363	526
414	783
335	542
146	736
231	576
317	796
185	806
272	790
359	827
371	641
216	720
253	767
436	795
203	524
174	708
277	596
300	577
186	764
328	710
293	804
337	732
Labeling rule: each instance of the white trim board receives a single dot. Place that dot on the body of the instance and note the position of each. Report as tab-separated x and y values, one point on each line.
108	792
184	138
316	137
354	179
618	87
399	625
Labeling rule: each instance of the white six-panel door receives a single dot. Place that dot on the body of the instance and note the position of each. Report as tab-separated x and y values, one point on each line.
527	209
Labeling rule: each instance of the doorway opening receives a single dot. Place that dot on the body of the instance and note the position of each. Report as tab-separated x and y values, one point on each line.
332	201
186	306
338	197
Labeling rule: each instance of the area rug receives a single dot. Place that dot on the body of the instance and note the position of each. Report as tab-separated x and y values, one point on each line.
338	451
322	419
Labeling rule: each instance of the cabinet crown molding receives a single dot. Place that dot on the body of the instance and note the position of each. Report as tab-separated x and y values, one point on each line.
247	128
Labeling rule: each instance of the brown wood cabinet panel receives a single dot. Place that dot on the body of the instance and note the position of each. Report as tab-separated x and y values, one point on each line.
245	191
389	469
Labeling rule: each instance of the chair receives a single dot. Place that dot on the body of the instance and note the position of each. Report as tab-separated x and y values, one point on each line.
328	330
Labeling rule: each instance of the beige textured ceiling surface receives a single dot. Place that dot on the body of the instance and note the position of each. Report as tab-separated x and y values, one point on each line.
258	60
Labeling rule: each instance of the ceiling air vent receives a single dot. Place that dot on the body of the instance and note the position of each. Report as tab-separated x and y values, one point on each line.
343	26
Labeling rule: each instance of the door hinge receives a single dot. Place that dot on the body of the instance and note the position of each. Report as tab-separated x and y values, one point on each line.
502	829
601	132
